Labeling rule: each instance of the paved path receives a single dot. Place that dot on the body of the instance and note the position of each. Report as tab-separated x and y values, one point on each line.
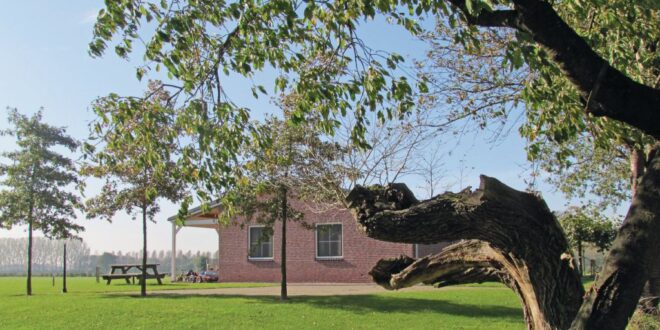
293	290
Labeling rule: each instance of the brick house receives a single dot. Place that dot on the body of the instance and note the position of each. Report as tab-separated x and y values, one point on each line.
333	250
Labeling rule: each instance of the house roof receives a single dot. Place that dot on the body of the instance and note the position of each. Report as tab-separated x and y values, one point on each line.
197	217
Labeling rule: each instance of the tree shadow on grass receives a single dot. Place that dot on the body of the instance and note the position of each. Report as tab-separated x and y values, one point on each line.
365	304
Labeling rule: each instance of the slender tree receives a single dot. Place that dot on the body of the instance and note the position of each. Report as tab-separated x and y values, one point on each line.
292	163
137	166
585	225
37	184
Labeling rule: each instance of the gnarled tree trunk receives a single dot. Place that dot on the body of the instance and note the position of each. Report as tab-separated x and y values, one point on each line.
513	237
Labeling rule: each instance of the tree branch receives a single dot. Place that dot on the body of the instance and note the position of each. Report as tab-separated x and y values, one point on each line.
469	261
606	91
513	235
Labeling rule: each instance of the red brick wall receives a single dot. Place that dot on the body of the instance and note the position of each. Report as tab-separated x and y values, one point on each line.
360	253
424	250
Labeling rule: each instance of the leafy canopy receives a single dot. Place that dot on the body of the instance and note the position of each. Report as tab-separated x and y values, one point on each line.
485	77
132	148
587	225
310	44
38	183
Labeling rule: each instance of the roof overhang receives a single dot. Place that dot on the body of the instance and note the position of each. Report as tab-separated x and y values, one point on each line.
207	218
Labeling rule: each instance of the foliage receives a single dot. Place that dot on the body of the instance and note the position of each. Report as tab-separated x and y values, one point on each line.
201	262
134	153
136	158
295	160
490	71
38	181
200	42
47	256
590	154
587	225
644	321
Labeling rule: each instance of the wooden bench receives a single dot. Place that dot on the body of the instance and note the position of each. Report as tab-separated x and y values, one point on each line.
121	271
132	276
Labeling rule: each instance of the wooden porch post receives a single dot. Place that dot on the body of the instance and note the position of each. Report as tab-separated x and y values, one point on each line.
217	229
175	230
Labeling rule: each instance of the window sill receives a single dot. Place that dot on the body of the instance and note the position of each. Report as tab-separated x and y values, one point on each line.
261	259
330	258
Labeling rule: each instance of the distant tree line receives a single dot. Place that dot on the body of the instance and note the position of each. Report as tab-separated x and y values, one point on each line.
47	258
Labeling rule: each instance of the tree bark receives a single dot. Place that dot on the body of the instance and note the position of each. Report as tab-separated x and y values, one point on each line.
612	300
637	168
522	242
284	216
143	283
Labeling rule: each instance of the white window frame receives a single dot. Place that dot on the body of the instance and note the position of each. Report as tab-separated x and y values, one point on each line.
271	258
316	241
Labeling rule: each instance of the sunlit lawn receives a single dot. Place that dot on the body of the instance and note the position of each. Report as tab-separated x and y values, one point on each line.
92	305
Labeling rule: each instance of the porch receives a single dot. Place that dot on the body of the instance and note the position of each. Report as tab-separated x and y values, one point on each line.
196	218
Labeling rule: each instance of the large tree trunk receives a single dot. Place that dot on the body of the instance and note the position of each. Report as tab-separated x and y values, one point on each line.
649	301
637	168
513	237
612	299
520	239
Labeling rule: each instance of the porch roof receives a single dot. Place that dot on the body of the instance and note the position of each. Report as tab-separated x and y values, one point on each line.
199	218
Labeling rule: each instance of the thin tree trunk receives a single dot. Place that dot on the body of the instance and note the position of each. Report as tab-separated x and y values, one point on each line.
581	258
30	228
29	265
143	283
284	206
64	271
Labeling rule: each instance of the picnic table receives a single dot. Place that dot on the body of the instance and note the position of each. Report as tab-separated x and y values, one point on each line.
124	273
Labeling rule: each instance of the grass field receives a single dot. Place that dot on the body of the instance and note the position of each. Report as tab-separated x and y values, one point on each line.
92	305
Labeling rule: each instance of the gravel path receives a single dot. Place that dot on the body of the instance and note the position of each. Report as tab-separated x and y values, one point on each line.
314	289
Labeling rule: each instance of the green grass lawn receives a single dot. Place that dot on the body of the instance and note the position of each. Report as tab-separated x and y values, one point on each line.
92	305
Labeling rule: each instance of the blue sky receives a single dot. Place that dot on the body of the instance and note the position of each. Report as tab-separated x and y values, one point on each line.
44	63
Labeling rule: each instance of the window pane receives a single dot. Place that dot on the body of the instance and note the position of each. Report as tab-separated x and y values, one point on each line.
260	243
335	233
324	233
328	240
323	250
335	248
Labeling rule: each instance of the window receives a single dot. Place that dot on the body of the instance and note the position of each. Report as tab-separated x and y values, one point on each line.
261	243
328	241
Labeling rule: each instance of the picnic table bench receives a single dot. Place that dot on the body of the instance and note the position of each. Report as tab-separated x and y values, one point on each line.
125	275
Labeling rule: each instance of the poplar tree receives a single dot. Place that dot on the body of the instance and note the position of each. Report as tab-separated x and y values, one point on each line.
36	183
